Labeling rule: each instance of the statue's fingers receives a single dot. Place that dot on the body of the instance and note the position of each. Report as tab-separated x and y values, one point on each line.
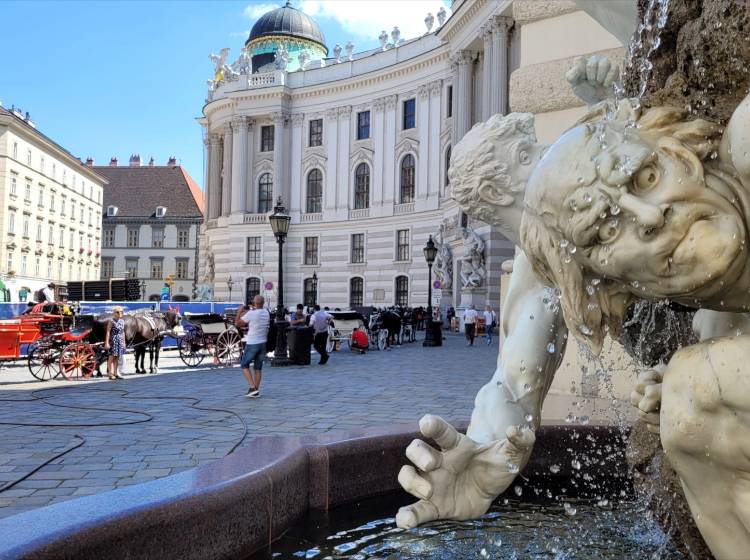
612	75
602	69
635	397
651	418
424	456
520	439
442	432
591	68
420	512
414	484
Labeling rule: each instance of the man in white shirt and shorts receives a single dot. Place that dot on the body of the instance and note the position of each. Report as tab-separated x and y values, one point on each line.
470	319
258	321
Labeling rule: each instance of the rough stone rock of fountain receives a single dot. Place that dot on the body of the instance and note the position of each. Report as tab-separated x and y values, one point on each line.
700	58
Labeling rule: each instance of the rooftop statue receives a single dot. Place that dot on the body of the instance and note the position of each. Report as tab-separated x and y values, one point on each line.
222	71
441	15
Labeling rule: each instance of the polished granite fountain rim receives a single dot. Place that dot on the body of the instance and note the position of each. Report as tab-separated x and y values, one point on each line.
236	505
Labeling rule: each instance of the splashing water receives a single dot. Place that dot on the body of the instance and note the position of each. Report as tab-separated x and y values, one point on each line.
646	40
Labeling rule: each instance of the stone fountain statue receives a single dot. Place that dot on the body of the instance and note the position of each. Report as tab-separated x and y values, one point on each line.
473	269
444	260
631	203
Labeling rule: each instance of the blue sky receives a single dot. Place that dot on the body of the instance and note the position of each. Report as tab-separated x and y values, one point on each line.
114	78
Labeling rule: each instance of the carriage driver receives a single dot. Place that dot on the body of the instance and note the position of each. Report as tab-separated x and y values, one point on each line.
258	322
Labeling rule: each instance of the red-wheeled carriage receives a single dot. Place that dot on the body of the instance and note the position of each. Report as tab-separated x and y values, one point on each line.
53	345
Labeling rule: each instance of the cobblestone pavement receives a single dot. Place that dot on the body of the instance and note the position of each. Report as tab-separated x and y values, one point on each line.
172	434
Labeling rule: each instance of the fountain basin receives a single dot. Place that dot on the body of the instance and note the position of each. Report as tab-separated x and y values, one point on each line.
239	505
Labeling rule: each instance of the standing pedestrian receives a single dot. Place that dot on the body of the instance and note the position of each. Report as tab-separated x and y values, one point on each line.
114	343
470	323
320	321
48	293
298	318
257	320
490	322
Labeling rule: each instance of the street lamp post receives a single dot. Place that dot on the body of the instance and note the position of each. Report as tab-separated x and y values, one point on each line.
280	226
433	334
230	285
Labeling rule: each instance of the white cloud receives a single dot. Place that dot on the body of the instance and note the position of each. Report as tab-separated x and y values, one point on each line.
367	18
254	11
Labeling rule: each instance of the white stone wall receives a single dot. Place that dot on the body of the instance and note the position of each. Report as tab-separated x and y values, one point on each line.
33	160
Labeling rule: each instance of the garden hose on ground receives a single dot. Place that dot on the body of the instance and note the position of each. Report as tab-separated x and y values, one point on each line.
125	395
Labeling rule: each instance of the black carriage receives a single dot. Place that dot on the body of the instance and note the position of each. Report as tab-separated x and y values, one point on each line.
209	335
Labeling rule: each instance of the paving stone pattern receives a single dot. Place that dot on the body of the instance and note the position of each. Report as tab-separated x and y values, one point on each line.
351	391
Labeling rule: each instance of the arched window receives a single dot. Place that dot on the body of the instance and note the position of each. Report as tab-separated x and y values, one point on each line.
265	193
314	191
407	179
362	187
310	292
402	290
356	292
252	289
447	166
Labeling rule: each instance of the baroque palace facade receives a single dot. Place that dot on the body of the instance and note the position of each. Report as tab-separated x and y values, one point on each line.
357	146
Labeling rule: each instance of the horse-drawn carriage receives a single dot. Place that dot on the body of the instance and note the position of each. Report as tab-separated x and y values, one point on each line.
210	334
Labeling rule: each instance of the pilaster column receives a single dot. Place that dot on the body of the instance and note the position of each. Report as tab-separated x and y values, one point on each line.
464	93
226	172
487	73
389	166
250	186
296	203
239	164
214	183
331	144
280	183
500	31
378	137
206	175
435	163
423	124
342	188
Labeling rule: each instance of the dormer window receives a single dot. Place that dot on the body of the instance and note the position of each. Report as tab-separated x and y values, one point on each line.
161	211
112	211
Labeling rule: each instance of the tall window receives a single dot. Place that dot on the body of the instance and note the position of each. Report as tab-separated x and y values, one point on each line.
108	237
311	250
37	267
266	138
181	269
358	248
52	201
157	268
27	192
447	165
314	191
24	260
133	236
62	206
253	250
316	132
310	293
51	236
362	186
108	268
25	225
402	245
13	185
61	238
131	268
356	292
15	150
410	113
9	262
252	289
41	195
157	237
183	238
265	193
11	222
407	179
402	290
449	108
39	224
363	125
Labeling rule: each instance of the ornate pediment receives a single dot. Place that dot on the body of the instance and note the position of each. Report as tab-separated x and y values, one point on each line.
360	155
312	160
405	146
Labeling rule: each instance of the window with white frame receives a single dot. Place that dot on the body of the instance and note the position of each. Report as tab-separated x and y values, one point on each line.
11	222
133	236
402	291
108	237
311	250
356	292
181	268
13	184
183	238
402	245
27	191
9	262
157	265
61	238
358	248
108	268
157	237
253	250
24	264
407	179
314	192
131	267
25	231
265	193
362	187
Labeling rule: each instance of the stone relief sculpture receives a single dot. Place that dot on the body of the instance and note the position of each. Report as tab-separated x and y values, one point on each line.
444	261
472	263
281	58
210	271
630	203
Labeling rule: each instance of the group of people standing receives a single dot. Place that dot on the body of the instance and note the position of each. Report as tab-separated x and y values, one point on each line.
470	323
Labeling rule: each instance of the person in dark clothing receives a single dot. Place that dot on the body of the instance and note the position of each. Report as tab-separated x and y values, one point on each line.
320	321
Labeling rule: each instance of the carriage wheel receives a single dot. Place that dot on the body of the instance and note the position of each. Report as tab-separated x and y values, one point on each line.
229	347
44	362
382	340
77	361
191	350
331	342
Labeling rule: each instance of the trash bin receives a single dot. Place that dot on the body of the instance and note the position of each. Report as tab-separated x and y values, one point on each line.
299	341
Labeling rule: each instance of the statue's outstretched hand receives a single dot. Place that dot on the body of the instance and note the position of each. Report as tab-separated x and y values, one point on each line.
460	481
591	78
646	397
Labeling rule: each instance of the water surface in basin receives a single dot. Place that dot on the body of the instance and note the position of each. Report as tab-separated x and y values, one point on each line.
512	530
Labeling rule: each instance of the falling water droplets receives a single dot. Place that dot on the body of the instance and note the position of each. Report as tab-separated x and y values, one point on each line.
551	348
512	467
569	509
576	464
554	469
518	490
529	417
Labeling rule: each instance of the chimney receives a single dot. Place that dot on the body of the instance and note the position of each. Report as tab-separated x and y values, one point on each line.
135	160
113	162
151	162
89	162
172	162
